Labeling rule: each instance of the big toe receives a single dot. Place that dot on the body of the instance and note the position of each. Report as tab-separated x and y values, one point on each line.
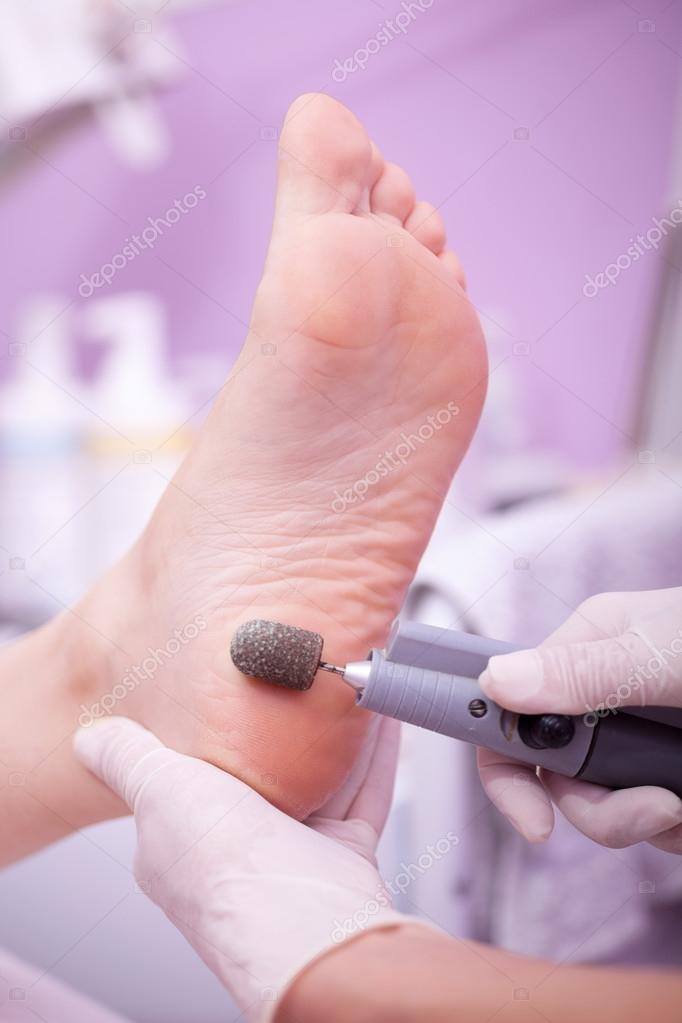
326	159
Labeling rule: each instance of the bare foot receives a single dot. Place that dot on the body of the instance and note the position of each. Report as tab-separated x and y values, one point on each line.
314	485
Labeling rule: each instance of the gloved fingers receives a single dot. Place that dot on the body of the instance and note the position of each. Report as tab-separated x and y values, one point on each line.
610	614
124	755
580	677
515	788
337	806
356	835
594	619
517	792
365	818
374	797
615	819
599	657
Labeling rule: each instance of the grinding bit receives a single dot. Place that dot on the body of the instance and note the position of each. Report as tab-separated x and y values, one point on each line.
283	654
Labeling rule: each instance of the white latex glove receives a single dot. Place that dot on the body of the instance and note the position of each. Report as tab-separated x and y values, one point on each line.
256	893
616	650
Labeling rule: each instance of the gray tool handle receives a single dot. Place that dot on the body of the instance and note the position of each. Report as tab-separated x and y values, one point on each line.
462	653
619	751
632	751
457	706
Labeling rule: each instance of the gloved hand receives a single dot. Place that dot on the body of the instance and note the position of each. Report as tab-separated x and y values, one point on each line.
617	650
256	893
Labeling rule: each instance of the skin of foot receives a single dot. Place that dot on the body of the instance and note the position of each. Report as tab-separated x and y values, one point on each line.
312	488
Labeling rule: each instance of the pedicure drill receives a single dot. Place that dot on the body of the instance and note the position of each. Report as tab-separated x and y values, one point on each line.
428	677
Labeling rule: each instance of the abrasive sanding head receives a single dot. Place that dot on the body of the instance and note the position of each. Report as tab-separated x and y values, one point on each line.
283	654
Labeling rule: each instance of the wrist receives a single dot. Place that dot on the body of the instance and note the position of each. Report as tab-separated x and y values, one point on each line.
78	657
371	960
50	677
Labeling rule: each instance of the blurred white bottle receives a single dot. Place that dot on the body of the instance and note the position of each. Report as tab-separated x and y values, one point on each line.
140	436
41	429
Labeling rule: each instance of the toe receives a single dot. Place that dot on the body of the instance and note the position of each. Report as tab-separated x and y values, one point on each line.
325	158
452	263
393	194
426	225
376	168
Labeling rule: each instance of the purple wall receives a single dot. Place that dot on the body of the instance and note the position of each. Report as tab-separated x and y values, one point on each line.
530	216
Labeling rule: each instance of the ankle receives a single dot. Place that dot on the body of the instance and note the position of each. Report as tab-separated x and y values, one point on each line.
108	628
48	675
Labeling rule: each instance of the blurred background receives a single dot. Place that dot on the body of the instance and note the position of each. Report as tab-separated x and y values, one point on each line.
548	134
